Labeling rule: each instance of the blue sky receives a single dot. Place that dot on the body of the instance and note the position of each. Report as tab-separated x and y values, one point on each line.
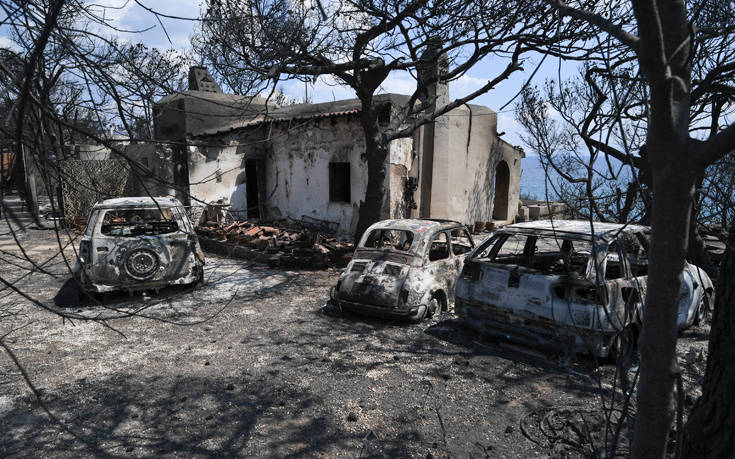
130	16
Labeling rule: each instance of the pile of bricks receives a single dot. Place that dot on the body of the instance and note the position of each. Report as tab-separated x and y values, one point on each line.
278	247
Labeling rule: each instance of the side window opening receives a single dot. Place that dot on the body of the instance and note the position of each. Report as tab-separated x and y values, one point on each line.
91	223
561	256
613	267
461	241
637	256
509	251
439	249
634	251
339	182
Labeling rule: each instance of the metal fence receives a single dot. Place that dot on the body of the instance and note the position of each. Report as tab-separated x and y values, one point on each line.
84	182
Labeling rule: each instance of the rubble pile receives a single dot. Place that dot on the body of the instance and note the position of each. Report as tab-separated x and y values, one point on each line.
277	246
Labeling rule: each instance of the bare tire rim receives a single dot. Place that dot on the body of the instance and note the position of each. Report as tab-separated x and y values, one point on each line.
142	263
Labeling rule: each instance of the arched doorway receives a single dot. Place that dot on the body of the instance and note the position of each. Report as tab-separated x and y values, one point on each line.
502	186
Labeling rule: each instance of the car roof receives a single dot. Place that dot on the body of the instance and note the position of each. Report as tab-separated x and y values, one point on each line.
141	201
416	225
580	228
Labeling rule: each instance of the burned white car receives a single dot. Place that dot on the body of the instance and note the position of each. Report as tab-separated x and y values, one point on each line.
560	284
404	269
135	244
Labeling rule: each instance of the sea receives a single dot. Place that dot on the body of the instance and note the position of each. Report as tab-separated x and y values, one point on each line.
533	178
534	181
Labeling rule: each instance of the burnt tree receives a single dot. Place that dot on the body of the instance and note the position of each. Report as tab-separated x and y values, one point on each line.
708	431
660	37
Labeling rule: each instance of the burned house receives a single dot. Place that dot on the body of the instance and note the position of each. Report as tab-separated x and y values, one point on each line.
305	161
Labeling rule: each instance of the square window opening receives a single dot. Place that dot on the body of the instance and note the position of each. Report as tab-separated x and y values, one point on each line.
339	182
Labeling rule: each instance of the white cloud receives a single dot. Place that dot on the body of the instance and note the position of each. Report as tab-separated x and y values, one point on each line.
465	85
129	16
327	88
7	43
110	10
398	83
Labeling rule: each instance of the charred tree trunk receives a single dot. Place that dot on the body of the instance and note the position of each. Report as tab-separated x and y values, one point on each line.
670	218
709	429
376	153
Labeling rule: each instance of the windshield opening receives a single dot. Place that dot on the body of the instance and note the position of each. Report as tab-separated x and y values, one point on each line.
391	239
139	222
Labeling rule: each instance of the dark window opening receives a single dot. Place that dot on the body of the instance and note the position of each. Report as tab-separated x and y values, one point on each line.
502	188
339	182
139	222
389	239
439	249
252	187
384	116
461	241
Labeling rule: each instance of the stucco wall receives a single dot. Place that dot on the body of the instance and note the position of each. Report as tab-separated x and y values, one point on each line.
297	170
294	159
294	169
474	151
216	173
401	159
158	178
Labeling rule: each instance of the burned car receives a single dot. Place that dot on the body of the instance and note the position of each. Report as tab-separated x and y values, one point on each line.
560	284
137	244
404	269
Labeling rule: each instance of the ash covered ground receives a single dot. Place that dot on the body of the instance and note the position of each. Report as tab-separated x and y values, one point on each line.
250	364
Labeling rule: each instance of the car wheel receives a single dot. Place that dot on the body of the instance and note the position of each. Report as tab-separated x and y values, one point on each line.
199	280
331	308
83	290
142	263
420	314
624	346
705	303
435	310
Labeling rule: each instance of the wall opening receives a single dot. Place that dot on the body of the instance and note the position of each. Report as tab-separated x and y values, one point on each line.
251	189
339	182
502	187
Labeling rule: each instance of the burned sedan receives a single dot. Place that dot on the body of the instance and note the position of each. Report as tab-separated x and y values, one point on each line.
560	284
137	244
404	269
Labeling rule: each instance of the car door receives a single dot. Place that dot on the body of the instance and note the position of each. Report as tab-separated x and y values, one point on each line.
441	262
461	244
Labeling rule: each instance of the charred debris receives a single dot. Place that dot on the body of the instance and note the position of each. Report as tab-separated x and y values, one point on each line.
279	244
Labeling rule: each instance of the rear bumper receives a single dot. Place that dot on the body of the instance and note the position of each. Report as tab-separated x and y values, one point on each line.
91	285
501	324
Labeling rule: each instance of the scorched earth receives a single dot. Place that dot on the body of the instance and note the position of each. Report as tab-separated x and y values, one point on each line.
252	364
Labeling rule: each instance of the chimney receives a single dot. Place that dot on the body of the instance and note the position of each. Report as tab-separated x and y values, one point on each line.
432	72
201	80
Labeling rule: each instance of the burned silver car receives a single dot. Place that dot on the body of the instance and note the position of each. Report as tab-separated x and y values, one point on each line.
404	269
138	244
560	284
